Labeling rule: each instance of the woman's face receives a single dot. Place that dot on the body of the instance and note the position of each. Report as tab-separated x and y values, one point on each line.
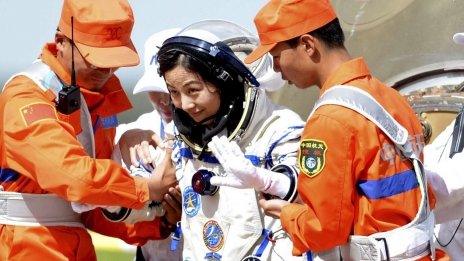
199	99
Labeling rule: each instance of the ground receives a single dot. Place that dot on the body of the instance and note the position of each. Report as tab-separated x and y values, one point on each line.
112	248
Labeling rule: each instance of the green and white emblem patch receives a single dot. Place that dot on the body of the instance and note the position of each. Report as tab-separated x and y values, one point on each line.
312	157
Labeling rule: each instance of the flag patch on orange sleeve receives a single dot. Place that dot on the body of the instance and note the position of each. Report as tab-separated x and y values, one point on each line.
36	112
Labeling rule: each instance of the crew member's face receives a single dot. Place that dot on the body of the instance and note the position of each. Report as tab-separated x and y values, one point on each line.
199	99
160	102
294	64
88	76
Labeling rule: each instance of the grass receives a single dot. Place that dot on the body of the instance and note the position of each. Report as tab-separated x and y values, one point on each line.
112	249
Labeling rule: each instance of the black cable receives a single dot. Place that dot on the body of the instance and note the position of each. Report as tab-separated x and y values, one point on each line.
73	72
452	237
139	254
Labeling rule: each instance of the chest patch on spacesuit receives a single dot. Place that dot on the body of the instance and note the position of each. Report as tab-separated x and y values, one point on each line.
213	236
311	157
191	202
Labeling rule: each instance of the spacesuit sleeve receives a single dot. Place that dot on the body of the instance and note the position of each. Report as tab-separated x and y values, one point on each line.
43	148
284	150
282	157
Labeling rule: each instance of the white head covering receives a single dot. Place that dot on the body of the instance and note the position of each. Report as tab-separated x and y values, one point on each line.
268	79
151	81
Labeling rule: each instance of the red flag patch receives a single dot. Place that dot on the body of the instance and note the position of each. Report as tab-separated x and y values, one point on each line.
37	111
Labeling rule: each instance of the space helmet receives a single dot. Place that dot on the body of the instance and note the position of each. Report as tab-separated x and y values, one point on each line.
220	47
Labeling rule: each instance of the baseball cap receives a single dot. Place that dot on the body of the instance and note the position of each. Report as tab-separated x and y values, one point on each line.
151	81
458	38
281	20
102	30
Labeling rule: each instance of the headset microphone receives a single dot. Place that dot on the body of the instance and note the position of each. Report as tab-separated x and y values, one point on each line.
69	98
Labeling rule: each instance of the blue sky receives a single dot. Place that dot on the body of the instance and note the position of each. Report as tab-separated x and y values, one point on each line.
396	42
25	25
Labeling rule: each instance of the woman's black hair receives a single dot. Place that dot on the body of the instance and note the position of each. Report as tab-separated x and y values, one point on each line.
330	34
170	59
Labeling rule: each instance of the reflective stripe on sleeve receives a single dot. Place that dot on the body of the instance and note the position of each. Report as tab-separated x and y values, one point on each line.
390	186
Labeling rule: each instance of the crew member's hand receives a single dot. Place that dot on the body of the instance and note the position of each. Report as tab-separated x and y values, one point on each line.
145	155
131	140
163	177
173	205
242	174
273	207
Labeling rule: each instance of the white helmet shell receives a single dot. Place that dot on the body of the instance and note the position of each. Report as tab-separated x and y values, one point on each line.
242	42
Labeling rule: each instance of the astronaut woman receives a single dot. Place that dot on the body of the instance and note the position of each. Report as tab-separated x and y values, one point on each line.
215	95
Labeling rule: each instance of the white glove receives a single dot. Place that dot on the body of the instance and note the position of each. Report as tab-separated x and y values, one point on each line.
242	174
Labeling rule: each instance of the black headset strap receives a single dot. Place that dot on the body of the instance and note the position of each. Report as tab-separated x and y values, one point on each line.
219	51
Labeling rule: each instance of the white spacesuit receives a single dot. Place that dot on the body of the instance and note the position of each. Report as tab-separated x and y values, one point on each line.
446	174
435	102
226	223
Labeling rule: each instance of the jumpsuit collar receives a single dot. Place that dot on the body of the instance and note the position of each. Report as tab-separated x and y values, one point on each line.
347	72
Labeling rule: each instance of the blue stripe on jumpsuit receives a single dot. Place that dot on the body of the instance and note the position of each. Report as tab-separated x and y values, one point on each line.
389	186
8	175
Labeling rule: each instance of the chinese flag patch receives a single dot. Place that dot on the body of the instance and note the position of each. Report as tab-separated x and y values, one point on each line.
36	112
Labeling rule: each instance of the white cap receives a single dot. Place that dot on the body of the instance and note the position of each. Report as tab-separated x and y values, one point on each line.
151	81
458	38
268	79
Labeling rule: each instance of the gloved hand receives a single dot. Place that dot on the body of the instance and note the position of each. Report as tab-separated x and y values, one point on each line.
240	172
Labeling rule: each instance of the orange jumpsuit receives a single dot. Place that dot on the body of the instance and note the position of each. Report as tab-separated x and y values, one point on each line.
347	193
40	154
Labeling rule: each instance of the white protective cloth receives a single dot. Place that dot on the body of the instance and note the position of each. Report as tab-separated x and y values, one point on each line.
229	224
151	81
447	178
